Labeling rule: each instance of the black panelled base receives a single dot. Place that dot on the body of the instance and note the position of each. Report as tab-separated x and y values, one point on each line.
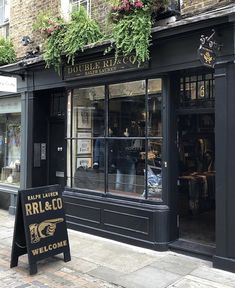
227	264
134	223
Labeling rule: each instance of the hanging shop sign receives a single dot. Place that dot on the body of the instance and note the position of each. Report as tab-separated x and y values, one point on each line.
40	227
102	66
8	84
207	50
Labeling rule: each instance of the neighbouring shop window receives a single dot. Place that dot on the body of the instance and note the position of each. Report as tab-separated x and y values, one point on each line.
115	139
10	127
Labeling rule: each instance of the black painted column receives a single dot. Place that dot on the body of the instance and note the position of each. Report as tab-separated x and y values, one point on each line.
225	167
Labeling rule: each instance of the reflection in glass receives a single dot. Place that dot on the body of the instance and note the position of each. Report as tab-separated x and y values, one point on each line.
126	173
127	108
87	175
154	170
155	106
88	110
87	131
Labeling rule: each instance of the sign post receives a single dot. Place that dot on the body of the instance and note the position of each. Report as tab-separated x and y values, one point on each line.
40	226
207	50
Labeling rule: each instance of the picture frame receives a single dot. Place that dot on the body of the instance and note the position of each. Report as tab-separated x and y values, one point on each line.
84	146
83	118
85	162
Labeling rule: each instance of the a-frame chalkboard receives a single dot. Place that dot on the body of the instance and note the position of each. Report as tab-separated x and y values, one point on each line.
40	226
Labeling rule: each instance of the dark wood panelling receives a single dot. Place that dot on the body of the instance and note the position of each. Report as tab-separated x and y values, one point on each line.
126	221
83	213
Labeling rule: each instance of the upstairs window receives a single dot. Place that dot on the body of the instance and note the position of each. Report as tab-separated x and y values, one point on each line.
4	11
75	5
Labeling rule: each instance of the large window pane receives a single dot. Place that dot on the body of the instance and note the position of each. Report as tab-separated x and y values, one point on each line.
126	167
127	109
155	107
88	110
10	133
88	143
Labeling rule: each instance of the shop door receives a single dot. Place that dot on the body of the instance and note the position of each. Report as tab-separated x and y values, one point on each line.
57	152
196	179
196	159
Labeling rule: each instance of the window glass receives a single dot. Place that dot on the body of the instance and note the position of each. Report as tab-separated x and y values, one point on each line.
110	151
154	170
126	168
75	5
155	107
127	108
88	149
10	128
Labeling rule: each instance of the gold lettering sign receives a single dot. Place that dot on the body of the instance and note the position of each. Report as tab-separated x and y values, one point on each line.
102	66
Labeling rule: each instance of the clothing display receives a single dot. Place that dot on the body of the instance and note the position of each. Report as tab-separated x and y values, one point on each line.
196	163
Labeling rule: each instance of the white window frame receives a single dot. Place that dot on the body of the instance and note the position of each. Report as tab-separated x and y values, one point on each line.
78	3
67	5
4	12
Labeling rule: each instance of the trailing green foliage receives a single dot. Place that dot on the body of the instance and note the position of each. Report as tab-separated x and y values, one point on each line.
54	48
81	31
131	19
132	34
66	37
7	52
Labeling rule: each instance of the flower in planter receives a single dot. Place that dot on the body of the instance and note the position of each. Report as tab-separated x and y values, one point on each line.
125	7
138	4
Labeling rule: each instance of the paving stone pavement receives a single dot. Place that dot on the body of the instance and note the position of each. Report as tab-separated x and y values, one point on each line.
102	263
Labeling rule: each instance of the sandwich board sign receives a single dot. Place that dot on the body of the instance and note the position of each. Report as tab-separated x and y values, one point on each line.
40	226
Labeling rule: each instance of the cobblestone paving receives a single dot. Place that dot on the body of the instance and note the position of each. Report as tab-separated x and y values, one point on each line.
52	272
102	263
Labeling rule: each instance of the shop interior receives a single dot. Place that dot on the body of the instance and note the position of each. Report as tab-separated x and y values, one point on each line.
196	165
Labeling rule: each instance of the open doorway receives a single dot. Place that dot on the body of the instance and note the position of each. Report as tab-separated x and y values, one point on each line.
196	180
196	159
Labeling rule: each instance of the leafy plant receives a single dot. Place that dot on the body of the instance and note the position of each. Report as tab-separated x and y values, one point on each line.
66	37
7	52
46	23
132	34
81	31
54	47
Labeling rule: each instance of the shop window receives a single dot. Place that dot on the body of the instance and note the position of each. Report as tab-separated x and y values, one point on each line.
115	139
10	126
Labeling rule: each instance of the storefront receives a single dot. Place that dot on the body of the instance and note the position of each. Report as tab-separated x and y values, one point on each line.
145	153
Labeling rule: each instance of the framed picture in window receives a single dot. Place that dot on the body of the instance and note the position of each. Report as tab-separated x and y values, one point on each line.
83	118
84	143
84	162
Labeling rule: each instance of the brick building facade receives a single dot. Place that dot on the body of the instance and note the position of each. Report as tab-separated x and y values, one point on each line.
144	153
24	13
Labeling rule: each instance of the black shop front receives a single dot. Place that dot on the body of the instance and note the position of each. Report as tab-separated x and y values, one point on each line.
144	152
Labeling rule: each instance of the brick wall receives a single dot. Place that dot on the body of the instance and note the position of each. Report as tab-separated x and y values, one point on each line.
192	6
99	12
22	14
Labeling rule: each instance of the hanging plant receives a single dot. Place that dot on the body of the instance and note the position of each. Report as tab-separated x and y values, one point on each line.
67	38
53	30
132	28
81	31
7	52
